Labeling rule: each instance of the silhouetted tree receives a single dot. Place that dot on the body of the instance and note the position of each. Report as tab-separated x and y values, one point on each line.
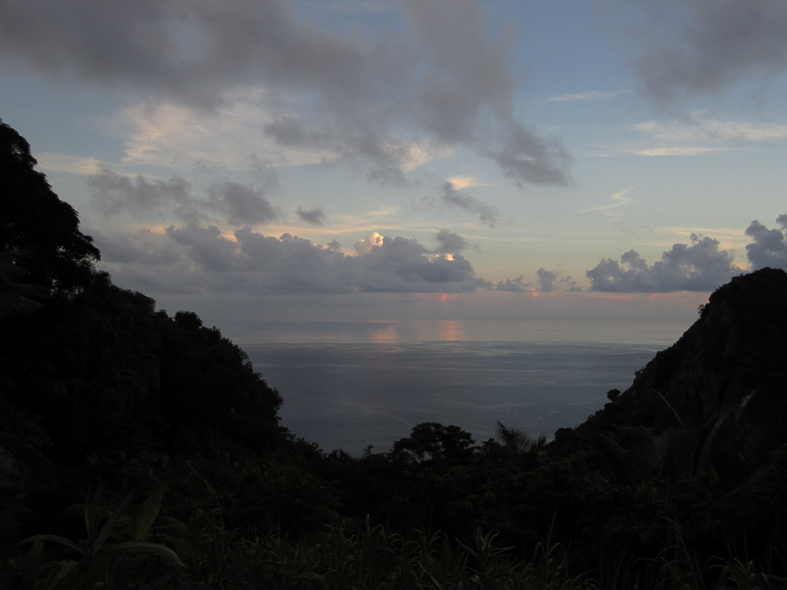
35	222
519	441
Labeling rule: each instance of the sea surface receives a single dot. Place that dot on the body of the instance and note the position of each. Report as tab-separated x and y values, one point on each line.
355	385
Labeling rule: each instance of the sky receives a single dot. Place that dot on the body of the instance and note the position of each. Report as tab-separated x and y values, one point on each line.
321	160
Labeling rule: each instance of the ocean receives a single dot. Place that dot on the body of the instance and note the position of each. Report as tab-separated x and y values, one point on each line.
356	385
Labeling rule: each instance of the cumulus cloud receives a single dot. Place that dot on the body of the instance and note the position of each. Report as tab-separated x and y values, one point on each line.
206	247
314	216
769	248
694	47
251	262
450	242
231	202
382	97
240	204
555	280
516	285
452	197
365	245
548	280
698	267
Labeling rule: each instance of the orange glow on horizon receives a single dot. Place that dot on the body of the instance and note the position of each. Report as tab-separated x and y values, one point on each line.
446	297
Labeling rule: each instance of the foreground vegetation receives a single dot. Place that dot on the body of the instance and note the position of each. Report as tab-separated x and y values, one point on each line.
141	450
203	553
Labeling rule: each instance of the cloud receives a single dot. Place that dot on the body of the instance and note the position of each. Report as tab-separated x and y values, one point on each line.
241	205
516	285
206	247
64	163
697	128
232	136
251	262
365	245
585	96
554	280
692	47
143	248
230	202
452	197
769	248
618	199
381	97
314	216
699	267
526	157
450	242
548	281
462	182
677	151
114	192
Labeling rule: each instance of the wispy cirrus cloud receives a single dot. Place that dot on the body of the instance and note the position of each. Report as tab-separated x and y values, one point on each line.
677	151
618	199
696	135
51	162
698	128
586	95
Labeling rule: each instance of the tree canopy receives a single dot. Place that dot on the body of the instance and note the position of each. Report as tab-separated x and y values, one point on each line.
39	230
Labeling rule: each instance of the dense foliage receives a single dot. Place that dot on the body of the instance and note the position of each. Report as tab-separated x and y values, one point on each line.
35	225
159	431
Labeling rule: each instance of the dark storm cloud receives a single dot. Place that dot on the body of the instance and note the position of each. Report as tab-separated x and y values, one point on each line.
769	248
450	242
431	75
699	267
315	215
486	213
252	263
232	202
695	47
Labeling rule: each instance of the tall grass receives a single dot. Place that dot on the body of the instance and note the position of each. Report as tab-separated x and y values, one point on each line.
129	547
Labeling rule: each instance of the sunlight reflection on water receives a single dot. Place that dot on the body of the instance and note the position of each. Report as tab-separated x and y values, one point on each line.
622	332
351	385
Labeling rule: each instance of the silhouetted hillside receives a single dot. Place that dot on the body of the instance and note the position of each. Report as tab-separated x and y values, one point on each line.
698	443
736	351
680	481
